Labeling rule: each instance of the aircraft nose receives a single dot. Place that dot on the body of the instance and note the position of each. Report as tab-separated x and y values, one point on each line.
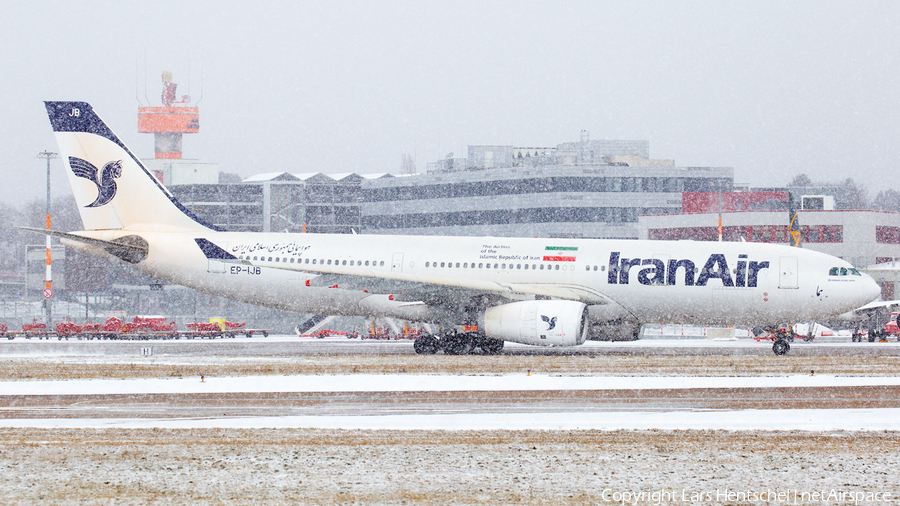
870	290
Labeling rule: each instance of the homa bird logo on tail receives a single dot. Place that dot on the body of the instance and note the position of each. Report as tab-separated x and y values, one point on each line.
104	178
551	322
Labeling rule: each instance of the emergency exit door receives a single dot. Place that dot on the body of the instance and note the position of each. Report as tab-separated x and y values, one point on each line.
788	272
397	262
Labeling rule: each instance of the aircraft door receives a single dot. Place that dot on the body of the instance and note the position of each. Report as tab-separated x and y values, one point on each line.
788	272
397	263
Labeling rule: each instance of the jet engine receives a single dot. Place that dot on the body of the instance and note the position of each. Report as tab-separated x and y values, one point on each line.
538	322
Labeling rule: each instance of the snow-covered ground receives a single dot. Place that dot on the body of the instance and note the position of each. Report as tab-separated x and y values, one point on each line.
418	383
790	419
868	420
609	456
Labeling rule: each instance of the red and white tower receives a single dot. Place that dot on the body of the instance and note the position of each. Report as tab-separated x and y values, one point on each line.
169	122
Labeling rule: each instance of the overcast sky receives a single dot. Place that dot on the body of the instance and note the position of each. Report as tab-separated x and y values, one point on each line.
772	89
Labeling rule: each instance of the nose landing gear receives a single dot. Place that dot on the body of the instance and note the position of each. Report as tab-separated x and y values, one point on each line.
781	346
782	343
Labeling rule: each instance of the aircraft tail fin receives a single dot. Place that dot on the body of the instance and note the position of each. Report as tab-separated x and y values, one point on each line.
113	189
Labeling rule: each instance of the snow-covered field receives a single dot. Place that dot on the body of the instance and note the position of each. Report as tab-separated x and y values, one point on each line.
877	419
610	456
305	466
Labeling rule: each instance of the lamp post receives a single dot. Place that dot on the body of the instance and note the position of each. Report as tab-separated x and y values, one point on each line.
48	278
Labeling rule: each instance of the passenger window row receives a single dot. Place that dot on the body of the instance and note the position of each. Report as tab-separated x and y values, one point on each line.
466	265
351	263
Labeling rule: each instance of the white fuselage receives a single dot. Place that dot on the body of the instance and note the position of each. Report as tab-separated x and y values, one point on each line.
642	281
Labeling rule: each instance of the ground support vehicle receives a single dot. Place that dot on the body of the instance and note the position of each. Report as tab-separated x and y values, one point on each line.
322	334
140	329
891	328
29	330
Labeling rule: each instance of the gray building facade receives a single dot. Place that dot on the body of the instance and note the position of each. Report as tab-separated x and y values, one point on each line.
590	189
579	200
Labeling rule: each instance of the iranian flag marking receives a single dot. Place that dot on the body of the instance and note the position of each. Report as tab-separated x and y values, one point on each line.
559	256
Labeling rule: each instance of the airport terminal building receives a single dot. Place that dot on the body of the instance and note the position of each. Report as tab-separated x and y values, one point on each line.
589	189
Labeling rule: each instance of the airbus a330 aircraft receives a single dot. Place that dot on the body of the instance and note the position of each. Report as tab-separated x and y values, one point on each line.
544	292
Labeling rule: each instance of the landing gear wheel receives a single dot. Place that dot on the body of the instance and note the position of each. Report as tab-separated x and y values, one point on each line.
457	344
491	346
781	347
426	345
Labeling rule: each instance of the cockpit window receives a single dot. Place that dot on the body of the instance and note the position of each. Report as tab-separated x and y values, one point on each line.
843	271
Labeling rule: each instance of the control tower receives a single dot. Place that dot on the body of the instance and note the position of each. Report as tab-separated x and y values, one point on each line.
169	122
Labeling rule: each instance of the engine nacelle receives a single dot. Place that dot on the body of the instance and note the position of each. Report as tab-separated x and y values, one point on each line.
538	322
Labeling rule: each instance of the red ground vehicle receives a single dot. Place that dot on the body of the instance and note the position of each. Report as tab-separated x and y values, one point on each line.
69	329
150	323
891	327
34	328
141	328
204	327
220	328
235	326
112	324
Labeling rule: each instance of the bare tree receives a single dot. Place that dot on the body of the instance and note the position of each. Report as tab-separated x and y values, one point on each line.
229	178
887	200
408	164
857	196
801	180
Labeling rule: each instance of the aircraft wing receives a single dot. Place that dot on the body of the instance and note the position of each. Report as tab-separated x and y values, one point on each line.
878	305
411	287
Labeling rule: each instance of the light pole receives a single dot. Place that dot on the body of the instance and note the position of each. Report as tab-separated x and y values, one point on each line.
48	278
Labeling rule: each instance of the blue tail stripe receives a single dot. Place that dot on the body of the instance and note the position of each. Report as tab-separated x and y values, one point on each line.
212	251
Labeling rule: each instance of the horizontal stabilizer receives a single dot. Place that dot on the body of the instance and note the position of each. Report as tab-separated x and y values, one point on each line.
130	248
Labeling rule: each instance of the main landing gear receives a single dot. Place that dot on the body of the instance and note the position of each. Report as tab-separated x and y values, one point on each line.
456	343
